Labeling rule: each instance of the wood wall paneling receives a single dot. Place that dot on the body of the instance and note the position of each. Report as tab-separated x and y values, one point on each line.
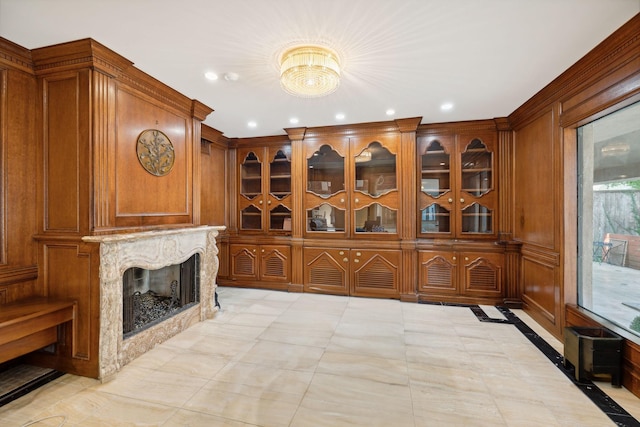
535	182
139	193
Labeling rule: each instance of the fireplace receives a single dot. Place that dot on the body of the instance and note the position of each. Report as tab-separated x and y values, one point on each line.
133	253
151	296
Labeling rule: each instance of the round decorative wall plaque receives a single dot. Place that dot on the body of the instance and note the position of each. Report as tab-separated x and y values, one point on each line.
155	152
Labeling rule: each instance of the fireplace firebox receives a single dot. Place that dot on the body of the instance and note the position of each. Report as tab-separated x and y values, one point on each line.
151	296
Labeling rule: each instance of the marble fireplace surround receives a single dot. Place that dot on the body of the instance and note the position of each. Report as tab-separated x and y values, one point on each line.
150	250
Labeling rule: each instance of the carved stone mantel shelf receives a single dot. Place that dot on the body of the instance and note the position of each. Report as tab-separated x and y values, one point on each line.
150	250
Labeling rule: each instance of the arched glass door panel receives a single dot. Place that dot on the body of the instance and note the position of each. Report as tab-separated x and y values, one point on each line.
325	217
280	176
375	170
435	170
251	176
477	169
325	172
376	218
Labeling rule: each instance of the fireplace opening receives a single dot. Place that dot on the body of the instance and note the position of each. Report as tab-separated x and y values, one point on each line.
151	296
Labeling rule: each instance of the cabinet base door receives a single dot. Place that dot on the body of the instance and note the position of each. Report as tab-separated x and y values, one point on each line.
325	271
375	273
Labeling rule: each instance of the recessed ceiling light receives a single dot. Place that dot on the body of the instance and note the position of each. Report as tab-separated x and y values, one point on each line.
446	106
293	120
391	112
252	124
340	116
210	75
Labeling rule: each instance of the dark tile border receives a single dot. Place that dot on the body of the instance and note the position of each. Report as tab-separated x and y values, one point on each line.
29	387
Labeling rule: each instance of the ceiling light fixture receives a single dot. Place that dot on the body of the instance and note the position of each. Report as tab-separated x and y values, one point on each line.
309	71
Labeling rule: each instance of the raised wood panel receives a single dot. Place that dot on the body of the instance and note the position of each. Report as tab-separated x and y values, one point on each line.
66	118
71	274
535	182
19	135
540	288
213	205
138	193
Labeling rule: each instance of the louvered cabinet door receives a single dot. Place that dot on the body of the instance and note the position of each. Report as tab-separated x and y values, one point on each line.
376	273
244	261
482	274
275	263
438	273
326	271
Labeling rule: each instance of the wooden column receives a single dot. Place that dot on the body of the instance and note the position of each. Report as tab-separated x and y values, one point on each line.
407	219
296	136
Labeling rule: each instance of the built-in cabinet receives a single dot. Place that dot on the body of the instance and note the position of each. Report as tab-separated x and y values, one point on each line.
256	263
357	272
264	199
376	210
460	275
351	187
458	185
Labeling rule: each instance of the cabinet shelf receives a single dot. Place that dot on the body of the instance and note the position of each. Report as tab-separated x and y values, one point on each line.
470	170
251	178
281	176
476	190
434	171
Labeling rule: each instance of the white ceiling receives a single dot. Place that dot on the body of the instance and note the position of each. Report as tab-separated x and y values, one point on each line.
486	57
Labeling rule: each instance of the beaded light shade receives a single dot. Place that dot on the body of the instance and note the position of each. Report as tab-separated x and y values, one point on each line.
309	71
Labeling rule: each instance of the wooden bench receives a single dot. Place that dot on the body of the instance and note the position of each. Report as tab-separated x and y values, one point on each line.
31	325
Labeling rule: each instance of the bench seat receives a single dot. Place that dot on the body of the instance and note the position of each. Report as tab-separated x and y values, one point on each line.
31	325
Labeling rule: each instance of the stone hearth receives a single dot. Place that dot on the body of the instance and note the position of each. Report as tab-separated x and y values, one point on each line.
150	250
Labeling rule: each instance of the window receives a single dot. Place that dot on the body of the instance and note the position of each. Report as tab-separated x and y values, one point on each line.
609	217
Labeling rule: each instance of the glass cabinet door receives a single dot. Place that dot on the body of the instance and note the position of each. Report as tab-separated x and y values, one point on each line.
251	192
326	199
435	187
375	178
476	170
279	190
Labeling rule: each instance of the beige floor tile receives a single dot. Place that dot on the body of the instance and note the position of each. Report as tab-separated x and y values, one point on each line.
152	386
388	347
283	356
184	418
360	392
266	377
249	404
319	413
390	371
311	337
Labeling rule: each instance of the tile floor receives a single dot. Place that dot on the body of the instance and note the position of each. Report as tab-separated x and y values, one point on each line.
280	359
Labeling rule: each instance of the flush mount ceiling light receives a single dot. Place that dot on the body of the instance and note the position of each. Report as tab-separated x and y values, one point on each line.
309	71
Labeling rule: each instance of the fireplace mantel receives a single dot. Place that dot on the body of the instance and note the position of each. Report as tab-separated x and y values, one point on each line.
150	250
